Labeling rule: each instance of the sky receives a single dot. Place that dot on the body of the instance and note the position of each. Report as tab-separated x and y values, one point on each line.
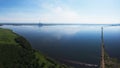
60	11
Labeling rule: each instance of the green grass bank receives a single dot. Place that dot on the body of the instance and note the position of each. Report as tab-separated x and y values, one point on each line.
16	52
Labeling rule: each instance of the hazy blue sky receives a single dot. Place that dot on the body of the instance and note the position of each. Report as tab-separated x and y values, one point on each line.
60	11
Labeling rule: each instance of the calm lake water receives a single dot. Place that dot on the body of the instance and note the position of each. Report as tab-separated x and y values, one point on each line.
71	42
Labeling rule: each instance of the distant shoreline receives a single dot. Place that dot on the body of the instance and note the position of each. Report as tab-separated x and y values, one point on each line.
56	24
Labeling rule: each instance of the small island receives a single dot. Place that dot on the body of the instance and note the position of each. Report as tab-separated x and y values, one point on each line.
16	52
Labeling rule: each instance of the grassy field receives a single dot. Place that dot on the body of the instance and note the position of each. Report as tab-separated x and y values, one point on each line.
16	52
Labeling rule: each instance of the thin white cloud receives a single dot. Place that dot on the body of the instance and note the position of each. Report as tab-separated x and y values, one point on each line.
60	14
